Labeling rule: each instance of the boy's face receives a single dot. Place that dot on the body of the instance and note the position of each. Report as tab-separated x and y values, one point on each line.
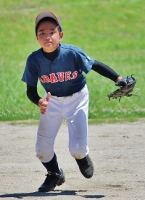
48	36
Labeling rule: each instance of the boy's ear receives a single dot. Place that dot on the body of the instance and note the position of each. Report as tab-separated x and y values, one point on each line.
61	35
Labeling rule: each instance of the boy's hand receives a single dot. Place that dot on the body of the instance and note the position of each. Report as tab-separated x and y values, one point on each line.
43	103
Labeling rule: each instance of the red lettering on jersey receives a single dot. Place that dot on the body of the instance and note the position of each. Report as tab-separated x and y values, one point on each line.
45	79
74	75
53	78
67	75
60	76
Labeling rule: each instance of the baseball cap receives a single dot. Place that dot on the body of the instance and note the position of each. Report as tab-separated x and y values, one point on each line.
44	14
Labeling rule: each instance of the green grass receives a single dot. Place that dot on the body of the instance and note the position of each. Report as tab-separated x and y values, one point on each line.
110	31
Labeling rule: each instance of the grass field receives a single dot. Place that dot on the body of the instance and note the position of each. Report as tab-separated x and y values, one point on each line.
110	31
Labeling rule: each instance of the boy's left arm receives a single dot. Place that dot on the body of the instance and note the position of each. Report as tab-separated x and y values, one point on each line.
106	71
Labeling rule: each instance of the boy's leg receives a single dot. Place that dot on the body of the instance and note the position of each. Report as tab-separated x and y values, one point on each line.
52	166
49	125
77	118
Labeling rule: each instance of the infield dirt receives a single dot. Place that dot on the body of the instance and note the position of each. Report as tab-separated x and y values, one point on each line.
117	151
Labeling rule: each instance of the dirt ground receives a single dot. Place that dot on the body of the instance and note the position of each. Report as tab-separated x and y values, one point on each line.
117	151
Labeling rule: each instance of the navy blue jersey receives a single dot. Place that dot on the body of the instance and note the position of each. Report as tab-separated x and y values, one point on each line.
61	77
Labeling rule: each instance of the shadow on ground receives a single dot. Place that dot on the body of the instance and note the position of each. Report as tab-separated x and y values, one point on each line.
55	193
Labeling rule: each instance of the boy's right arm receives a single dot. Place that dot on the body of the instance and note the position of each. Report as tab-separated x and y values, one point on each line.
32	94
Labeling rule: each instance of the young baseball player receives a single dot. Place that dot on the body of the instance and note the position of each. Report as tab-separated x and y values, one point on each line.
60	69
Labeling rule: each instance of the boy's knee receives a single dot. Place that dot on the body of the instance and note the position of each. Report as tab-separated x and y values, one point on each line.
44	155
44	149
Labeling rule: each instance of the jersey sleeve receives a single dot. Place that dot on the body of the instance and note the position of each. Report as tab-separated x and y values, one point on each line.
84	62
30	75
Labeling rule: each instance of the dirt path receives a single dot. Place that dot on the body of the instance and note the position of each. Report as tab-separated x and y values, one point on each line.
117	150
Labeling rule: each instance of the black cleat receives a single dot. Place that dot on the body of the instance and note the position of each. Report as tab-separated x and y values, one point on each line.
52	180
86	166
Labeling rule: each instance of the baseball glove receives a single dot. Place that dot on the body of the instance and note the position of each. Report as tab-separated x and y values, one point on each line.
126	86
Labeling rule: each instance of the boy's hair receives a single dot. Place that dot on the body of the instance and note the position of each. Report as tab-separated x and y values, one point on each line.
46	19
